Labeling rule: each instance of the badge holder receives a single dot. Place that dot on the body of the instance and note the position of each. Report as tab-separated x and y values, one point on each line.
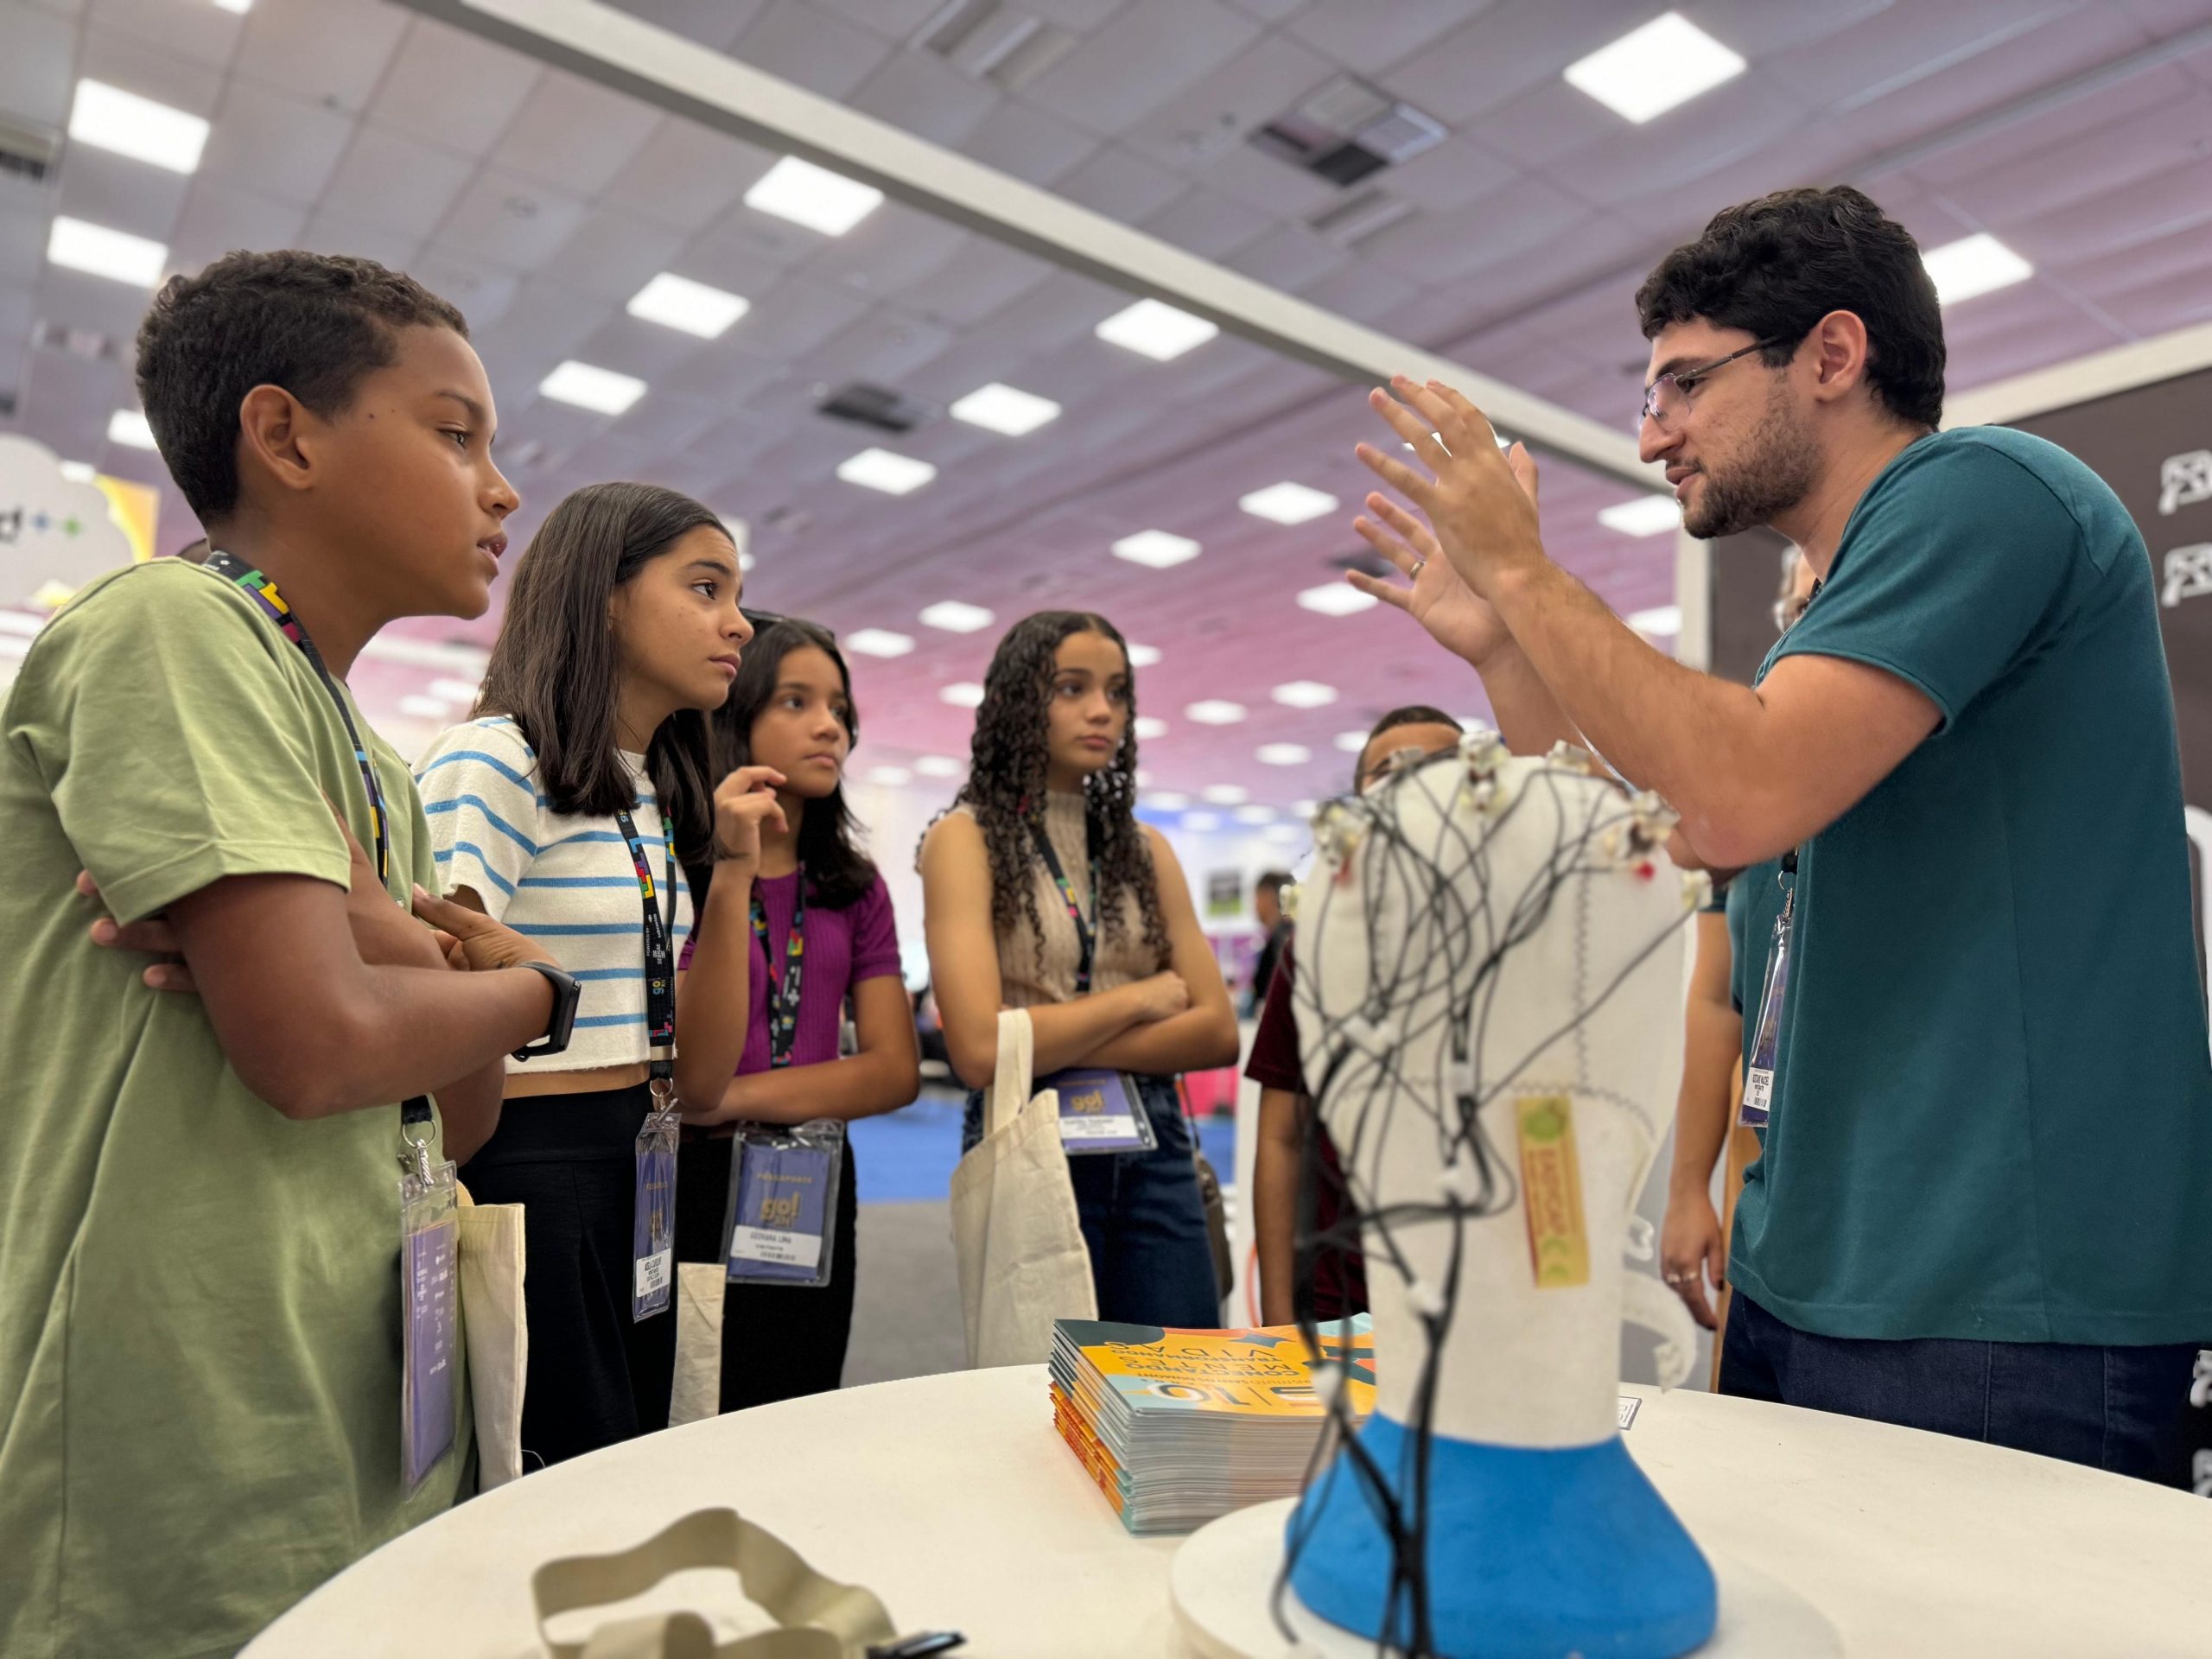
1758	1074
429	1237
653	1223
783	1191
1101	1111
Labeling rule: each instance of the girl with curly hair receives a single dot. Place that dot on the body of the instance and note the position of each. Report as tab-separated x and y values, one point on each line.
1041	891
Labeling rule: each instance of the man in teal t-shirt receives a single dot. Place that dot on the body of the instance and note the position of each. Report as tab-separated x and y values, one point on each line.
1985	1190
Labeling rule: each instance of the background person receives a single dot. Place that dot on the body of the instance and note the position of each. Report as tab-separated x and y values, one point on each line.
1041	891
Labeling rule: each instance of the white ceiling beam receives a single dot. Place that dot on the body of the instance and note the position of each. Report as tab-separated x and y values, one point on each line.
680	76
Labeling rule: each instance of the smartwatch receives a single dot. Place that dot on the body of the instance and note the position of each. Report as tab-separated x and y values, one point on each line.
565	993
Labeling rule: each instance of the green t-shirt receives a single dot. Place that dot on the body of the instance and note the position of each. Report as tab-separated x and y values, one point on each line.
1994	1104
200	1317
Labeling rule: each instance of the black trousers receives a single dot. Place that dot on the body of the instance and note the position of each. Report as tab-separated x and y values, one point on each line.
597	1376
778	1341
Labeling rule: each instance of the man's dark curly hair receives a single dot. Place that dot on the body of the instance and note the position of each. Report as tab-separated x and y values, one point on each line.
312	323
1006	785
1776	266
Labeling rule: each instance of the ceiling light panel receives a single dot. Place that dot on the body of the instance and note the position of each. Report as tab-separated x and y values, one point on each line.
1006	410
1305	694
79	245
1213	711
956	616
1167	800
1973	266
1156	549
1648	71
813	196
1659	620
879	642
1648	515
1283	754
878	469
1143	656
1150	730
678	302
603	392
1224	795
1288	503
1336	599
107	118
961	694
1157	331
937	766
128	427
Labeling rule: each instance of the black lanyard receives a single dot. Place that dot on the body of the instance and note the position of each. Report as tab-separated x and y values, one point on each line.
660	961
1086	939
783	1000
257	588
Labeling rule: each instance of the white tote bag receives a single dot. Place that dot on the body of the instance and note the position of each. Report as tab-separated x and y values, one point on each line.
496	1331
1023	1263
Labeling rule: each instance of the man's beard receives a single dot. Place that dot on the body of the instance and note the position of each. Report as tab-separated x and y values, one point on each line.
1774	474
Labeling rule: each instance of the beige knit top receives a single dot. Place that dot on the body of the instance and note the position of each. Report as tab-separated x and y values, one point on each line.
1123	957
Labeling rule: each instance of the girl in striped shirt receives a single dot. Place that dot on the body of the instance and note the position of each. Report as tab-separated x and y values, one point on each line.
586	759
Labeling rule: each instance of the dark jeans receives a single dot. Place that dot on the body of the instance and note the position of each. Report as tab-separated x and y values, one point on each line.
597	1376
1142	1220
2115	1408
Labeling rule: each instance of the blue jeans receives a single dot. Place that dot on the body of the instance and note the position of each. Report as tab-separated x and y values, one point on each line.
1142	1220
2115	1408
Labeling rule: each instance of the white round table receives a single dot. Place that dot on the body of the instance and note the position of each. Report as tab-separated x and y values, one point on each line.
952	1499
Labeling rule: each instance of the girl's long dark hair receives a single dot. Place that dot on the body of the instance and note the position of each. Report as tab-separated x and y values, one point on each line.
556	670
1006	785
837	871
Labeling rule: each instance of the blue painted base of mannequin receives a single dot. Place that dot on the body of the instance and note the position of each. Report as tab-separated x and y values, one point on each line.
1532	1554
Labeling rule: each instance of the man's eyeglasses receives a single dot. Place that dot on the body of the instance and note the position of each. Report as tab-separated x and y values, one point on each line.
1666	399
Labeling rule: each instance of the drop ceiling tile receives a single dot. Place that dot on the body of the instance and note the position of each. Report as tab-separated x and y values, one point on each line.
2114	220
1291	258
1483	63
323	51
1260	83
688	176
1025	143
1452	175
1363	294
2051	131
819	51
1549	123
74	299
1120	184
711	22
2185	252
896	19
576	136
1893	48
124	59
36	70
329	233
395	182
2159	135
1438	247
1759	29
275	145
510	222
1274	186
24	229
1209	225
203	34
1081	16
220	217
883	348
1140	58
724	372
123	194
890	252
794	319
1741	121
452	89
481	293
921	94
1369	40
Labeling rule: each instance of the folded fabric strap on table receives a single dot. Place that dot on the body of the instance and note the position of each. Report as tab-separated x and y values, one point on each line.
821	1619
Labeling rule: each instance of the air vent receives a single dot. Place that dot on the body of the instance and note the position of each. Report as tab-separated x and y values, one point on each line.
877	406
85	343
1351	221
988	40
27	149
1347	129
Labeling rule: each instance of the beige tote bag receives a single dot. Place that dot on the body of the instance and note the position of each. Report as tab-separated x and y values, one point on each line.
496	1331
1023	1263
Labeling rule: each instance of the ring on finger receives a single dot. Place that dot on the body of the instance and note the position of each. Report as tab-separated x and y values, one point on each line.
1420	565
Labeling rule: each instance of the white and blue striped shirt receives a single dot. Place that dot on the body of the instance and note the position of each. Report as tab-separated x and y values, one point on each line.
565	880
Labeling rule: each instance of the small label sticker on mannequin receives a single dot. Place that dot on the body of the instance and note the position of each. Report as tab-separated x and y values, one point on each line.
1628	1403
1100	1111
1551	1186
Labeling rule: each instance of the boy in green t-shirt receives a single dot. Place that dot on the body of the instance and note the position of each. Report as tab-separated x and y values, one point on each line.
200	1319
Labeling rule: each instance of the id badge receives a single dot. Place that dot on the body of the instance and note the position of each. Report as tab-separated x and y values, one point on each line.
430	1388
784	1204
653	1226
1101	1111
1759	1072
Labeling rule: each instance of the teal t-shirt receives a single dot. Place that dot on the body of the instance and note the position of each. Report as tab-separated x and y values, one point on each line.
1994	1101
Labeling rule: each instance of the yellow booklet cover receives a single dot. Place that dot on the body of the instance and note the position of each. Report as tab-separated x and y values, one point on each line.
1262	1372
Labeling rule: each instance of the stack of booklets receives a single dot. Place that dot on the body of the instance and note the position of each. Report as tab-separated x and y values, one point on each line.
1180	1426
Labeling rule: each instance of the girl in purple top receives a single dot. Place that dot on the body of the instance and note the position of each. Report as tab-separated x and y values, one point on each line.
783	832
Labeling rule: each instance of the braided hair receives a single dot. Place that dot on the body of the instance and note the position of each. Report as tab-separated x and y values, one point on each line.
1005	789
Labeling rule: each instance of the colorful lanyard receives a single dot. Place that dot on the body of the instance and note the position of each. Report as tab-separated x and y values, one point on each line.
1086	941
782	1004
660	960
263	592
